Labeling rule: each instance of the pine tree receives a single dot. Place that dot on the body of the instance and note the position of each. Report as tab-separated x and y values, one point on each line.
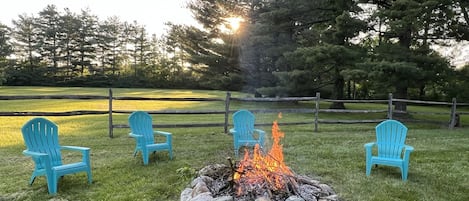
213	51
110	45
86	42
307	46
403	59
5	50
49	24
26	43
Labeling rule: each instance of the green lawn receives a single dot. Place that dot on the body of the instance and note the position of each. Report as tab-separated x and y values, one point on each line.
439	166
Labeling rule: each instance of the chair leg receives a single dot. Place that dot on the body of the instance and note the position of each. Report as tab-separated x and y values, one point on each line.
368	168
31	181
404	171
145	157
52	181
90	177
171	153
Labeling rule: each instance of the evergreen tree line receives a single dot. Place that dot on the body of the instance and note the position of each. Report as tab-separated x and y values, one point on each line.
69	49
345	49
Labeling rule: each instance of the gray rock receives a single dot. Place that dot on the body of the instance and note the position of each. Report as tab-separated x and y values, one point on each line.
331	198
309	192
263	198
207	196
213	170
199	188
223	198
295	198
327	190
204	179
186	194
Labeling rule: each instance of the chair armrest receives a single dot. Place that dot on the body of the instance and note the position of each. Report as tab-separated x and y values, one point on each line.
368	150
261	135
162	133
34	154
233	133
407	150
139	139
261	132
369	145
85	152
169	136
75	148
135	135
40	158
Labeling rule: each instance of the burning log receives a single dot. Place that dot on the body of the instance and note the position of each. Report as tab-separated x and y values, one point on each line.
267	170
216	182
257	177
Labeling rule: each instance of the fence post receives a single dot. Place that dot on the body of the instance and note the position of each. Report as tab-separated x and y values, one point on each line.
316	112
452	121
390	106
111	135
227	110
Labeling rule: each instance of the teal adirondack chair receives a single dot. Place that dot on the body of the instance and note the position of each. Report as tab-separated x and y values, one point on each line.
141	126
41	138
392	150
244	133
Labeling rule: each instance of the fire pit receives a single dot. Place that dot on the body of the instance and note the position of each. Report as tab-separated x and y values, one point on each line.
258	176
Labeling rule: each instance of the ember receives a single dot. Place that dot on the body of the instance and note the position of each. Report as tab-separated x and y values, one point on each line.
260	177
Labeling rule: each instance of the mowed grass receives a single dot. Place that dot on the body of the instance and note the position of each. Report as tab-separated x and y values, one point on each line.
439	167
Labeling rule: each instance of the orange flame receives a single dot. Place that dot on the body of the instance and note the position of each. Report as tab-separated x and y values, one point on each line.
262	169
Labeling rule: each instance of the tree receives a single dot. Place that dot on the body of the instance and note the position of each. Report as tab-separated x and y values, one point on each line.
403	59
335	54
271	32
5	50
70	28
460	21
213	51
26	46
49	25
86	42
307	45
458	86
110	44
178	52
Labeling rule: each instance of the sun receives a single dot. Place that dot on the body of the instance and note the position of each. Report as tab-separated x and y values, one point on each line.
234	23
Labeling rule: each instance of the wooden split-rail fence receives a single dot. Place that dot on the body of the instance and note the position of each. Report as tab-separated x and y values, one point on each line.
453	114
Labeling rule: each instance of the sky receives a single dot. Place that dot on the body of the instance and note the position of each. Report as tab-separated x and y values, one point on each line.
151	13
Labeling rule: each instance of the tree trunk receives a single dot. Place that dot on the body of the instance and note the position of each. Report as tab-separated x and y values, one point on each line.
422	92
349	89
405	40
401	93
338	93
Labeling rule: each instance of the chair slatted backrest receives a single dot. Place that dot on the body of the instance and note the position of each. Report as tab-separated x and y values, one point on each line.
41	135
390	137
141	123
244	121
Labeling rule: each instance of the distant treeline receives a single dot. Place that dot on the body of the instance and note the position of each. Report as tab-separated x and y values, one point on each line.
344	49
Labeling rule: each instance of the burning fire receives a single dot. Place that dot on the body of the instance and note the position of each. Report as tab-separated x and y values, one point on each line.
263	171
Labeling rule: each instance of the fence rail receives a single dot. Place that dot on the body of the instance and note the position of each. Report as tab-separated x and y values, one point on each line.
453	115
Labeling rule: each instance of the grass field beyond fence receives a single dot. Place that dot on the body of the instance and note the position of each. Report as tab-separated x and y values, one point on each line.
439	166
